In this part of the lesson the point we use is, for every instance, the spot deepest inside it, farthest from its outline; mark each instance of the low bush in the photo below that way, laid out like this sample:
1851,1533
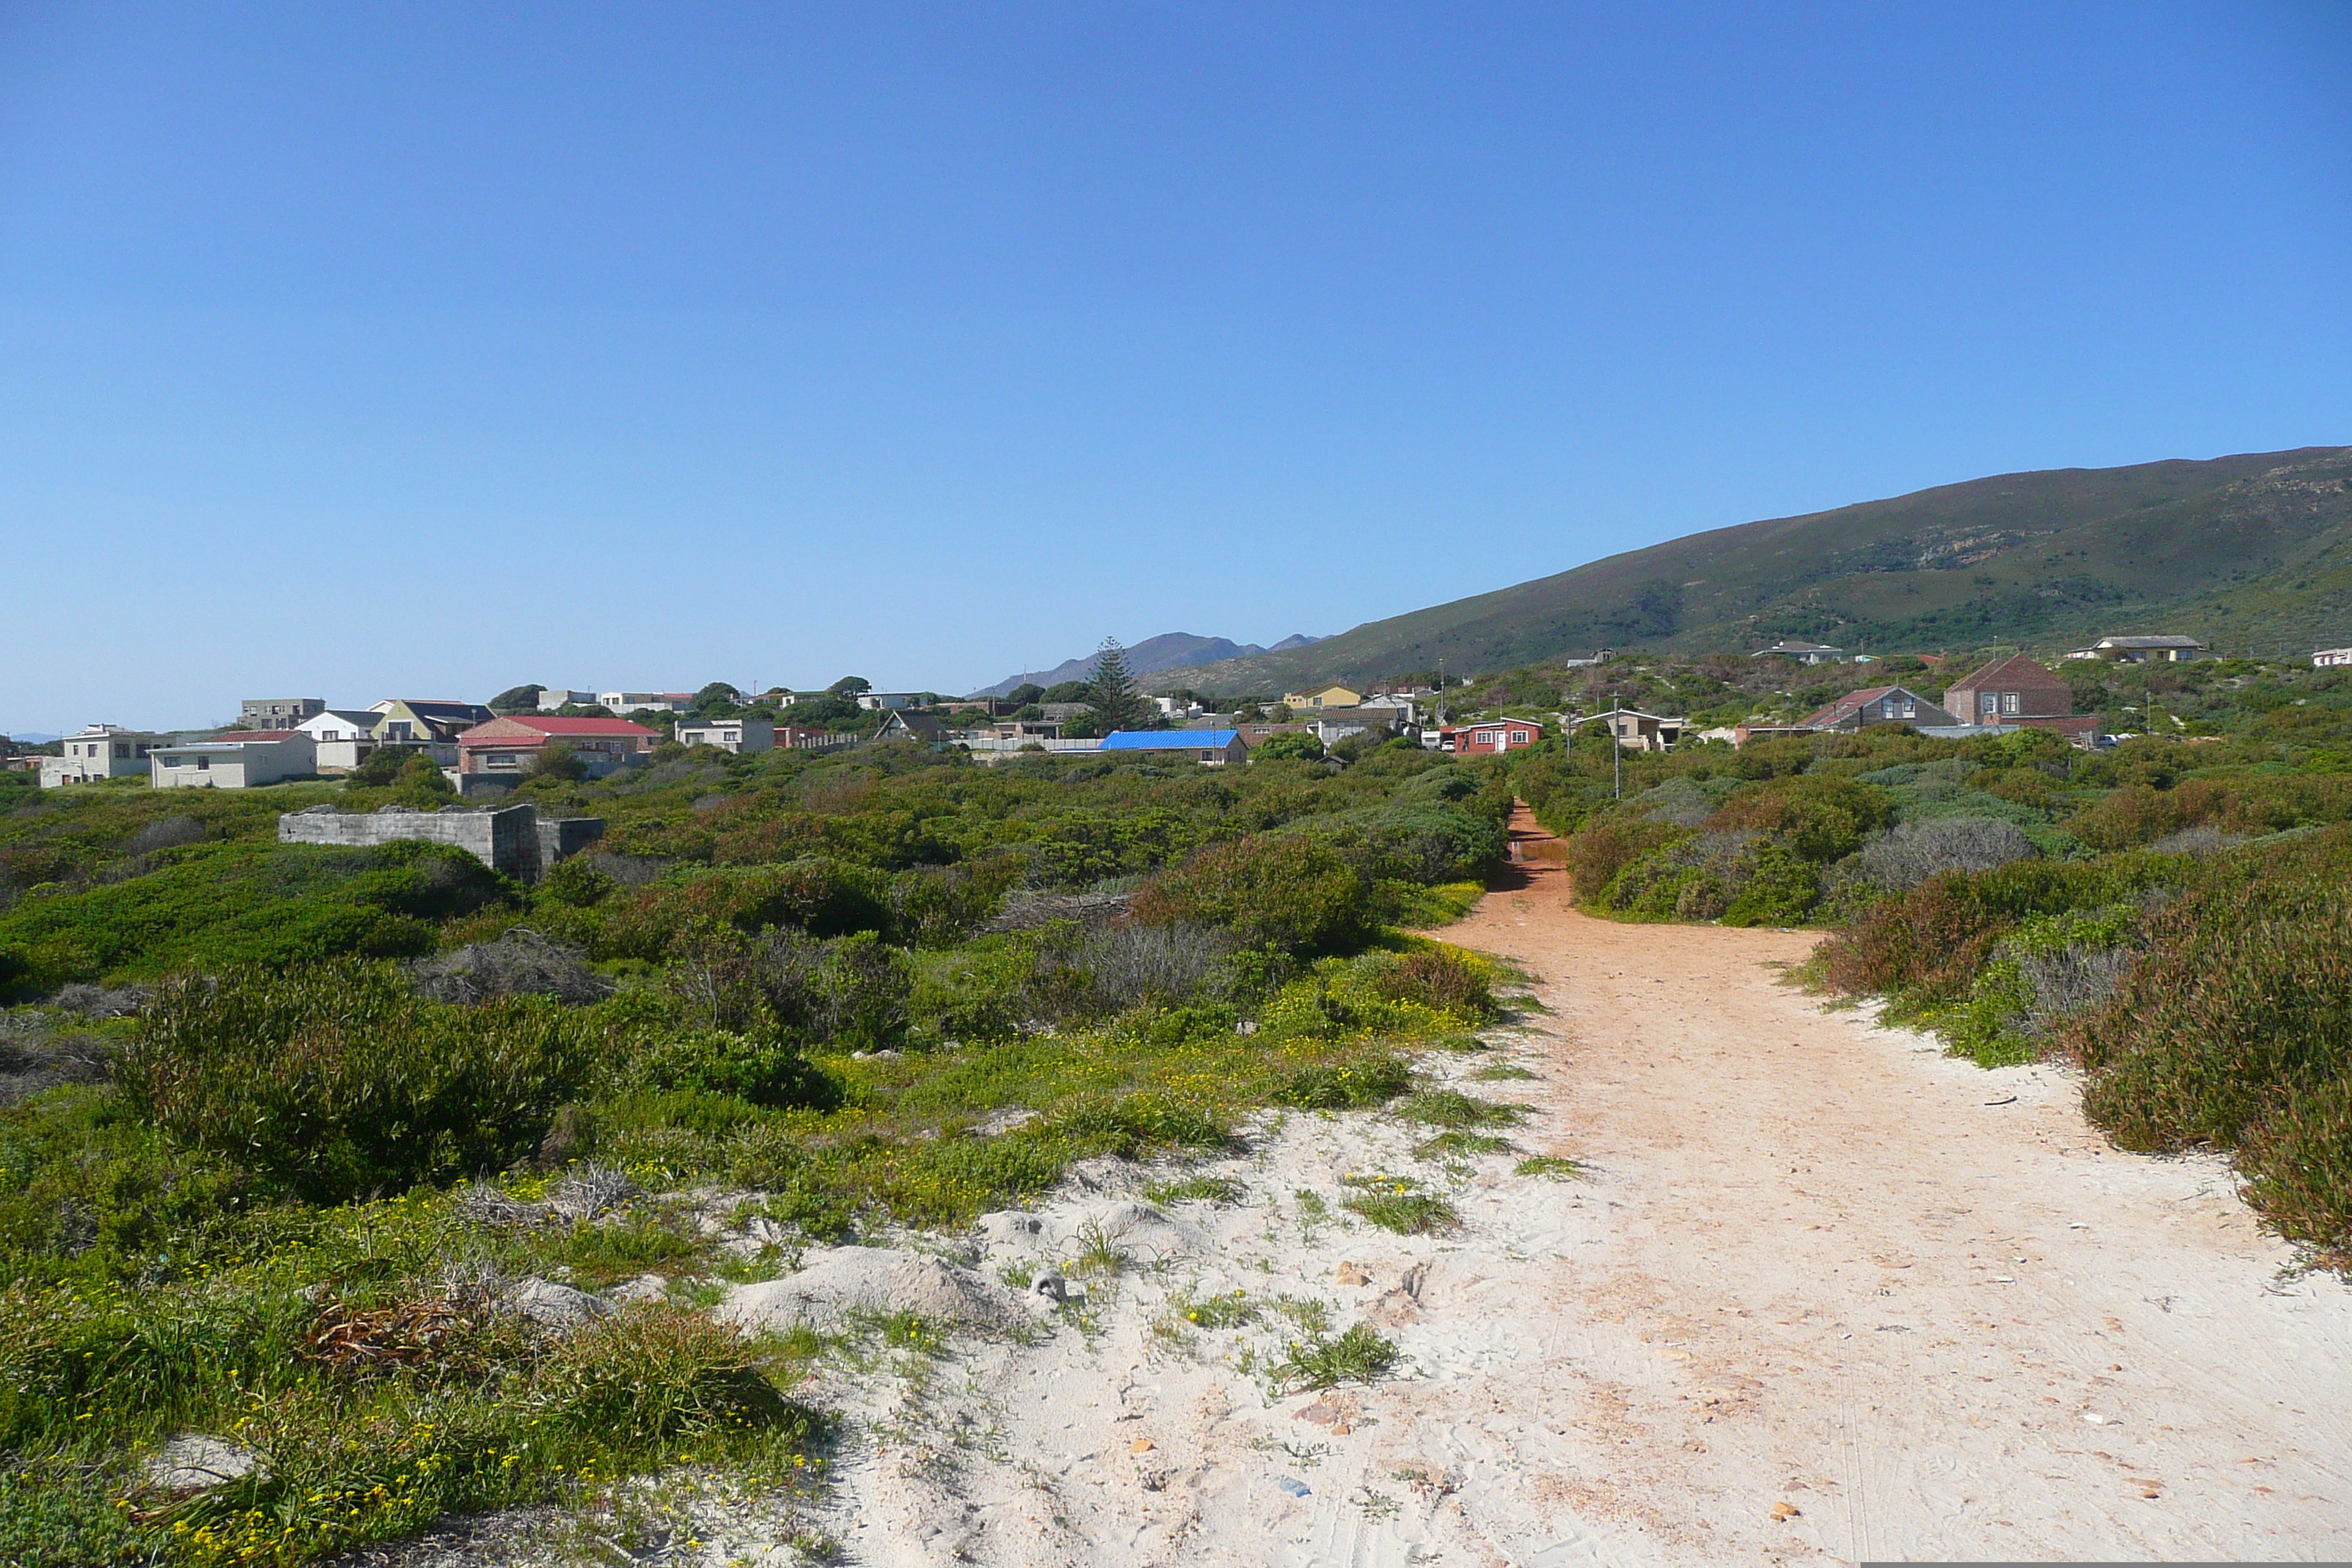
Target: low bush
340,1083
521,962
712,1061
1445,978
1280,891
1344,1088
1900,859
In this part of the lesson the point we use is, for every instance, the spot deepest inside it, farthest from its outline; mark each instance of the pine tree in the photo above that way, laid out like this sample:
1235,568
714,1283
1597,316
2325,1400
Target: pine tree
1111,694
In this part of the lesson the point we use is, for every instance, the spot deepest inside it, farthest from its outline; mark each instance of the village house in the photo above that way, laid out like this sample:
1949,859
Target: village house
432,724
343,738
1877,705
2164,649
746,736
503,751
551,698
618,702
1328,697
278,712
908,724
1489,737
1210,748
2331,657
1636,730
1016,729
893,701
1802,652
2016,692
98,752
1333,725
234,759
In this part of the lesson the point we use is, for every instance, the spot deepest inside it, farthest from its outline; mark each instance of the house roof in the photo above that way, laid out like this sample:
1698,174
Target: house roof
1853,702
2168,639
1169,740
2015,670
1796,648
239,737
520,728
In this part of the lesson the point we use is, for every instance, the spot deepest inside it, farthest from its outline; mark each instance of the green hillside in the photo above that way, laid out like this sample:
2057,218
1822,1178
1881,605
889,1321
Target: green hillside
2247,552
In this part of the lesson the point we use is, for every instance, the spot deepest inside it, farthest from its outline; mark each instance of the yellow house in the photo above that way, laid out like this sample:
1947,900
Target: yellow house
1329,697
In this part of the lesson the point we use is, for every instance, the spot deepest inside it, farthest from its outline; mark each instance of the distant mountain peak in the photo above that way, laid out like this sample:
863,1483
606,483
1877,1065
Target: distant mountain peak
1169,650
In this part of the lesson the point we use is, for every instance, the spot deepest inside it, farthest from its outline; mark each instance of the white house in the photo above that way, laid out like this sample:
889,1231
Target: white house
620,703
893,701
344,736
98,752
237,759
746,736
1802,652
2330,657
552,698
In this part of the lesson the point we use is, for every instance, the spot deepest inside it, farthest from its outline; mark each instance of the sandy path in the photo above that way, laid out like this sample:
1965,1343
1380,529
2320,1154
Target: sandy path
1823,1295
1840,1271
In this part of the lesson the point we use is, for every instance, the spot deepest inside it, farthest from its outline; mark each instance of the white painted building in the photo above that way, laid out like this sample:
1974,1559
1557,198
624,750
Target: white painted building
2330,657
98,752
234,760
619,702
344,737
745,736
552,698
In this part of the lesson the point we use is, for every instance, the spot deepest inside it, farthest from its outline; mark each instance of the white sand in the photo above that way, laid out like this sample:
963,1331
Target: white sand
1819,1299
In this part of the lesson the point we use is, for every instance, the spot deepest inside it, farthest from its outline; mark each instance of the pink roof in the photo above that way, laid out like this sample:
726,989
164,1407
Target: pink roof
501,732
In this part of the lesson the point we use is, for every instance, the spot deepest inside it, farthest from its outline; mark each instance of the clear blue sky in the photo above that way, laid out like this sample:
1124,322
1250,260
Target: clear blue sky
353,351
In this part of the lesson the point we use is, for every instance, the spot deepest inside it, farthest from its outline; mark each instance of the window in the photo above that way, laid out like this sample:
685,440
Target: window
175,762
1519,737
2009,702
1991,704
204,765
121,749
1910,708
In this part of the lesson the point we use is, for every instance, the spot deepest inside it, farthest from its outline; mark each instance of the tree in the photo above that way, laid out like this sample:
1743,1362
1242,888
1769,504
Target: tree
517,699
1026,693
557,761
1111,694
716,692
850,686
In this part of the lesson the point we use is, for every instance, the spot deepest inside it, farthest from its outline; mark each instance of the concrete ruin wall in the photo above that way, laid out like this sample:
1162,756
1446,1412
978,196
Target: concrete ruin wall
510,839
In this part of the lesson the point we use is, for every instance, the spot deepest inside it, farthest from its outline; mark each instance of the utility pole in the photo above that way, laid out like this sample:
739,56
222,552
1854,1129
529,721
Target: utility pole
1617,752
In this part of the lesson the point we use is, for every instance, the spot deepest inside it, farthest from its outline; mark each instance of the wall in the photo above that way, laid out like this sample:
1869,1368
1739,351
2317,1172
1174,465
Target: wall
510,840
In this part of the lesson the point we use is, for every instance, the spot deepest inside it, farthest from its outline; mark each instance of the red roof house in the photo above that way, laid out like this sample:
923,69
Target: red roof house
507,747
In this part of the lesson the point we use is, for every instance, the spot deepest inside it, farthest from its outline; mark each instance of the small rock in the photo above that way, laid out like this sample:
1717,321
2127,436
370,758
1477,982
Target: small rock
1003,1121
191,1462
1784,1511
554,1306
1140,1446
1350,1275
644,1287
1050,1288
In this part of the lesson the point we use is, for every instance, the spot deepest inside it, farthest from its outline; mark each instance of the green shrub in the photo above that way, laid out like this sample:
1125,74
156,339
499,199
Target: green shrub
1359,1355
1344,1088
1442,977
824,898
713,1061
1279,891
213,906
338,1083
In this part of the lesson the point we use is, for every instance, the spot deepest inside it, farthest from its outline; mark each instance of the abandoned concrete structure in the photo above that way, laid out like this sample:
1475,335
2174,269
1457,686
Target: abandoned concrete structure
510,840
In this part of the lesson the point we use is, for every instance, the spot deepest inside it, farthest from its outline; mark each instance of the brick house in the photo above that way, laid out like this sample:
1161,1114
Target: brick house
506,747
2016,692
1489,737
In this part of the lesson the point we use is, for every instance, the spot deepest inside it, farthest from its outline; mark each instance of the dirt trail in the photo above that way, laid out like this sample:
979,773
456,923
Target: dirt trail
1822,1295
1923,1304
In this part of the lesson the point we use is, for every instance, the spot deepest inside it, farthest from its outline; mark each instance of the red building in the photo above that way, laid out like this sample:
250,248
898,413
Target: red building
507,747
1489,737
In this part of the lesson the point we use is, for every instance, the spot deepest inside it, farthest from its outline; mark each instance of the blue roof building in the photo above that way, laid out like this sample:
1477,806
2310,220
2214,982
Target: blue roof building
1210,748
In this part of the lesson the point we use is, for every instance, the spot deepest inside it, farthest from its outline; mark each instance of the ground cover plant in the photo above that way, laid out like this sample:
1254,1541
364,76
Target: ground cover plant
2166,913
301,1149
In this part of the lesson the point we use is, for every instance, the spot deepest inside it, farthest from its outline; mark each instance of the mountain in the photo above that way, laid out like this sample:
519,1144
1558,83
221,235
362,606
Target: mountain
1153,656
2252,552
